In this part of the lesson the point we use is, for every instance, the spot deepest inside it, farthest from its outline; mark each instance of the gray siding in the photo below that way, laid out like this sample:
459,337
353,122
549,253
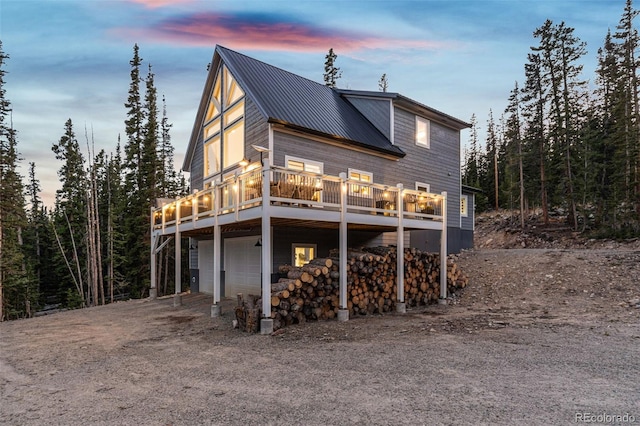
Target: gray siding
336,159
467,222
377,111
256,130
197,164
438,166
429,240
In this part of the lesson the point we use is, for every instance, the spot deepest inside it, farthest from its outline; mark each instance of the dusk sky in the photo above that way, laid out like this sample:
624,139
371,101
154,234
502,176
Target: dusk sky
70,58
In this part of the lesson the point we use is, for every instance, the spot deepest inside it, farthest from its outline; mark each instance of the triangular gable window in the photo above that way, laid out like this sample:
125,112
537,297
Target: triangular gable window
233,92
223,127
214,103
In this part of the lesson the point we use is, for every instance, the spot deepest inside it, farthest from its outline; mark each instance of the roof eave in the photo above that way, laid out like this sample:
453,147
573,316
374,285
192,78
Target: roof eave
439,116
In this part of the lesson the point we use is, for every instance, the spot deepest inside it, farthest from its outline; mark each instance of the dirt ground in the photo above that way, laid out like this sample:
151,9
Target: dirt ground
540,336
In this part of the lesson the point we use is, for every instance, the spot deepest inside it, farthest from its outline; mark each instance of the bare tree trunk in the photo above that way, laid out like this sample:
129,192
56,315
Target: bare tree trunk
1,258
75,254
111,261
66,261
543,188
521,183
495,177
1,274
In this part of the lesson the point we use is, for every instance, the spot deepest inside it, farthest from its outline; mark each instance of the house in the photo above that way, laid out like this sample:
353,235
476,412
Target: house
284,169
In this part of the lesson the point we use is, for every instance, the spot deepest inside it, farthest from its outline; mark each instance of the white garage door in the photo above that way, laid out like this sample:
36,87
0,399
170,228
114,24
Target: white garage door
205,266
242,266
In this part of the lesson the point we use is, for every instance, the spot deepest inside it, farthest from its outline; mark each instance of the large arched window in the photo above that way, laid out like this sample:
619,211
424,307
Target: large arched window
223,128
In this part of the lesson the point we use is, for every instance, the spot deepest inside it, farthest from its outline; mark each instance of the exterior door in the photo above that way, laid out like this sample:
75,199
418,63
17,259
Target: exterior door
205,265
242,266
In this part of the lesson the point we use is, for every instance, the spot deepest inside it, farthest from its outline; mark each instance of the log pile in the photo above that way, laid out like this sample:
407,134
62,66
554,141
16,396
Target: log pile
248,313
311,292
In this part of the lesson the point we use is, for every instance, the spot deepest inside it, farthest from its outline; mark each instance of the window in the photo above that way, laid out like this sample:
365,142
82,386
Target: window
233,147
302,165
302,253
223,128
423,187
423,132
233,92
464,202
360,176
212,156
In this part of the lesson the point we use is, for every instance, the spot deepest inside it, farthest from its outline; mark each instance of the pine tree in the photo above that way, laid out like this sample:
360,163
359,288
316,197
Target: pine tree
513,145
560,50
629,117
331,72
16,289
383,83
134,185
491,182
70,214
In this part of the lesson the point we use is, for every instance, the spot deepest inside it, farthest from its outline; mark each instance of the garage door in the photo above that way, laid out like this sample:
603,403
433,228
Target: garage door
242,266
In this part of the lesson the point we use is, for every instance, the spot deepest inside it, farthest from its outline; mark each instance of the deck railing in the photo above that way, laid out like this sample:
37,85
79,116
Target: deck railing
297,189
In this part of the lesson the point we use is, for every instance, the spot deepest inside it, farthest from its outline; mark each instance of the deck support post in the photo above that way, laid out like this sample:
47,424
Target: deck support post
443,252
343,312
153,290
217,253
400,305
266,323
217,243
177,298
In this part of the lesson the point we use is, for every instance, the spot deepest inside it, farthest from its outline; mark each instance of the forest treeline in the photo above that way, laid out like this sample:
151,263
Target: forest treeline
93,246
565,144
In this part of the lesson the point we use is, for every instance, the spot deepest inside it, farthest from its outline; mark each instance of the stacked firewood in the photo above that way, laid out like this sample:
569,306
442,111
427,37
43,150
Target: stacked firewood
311,292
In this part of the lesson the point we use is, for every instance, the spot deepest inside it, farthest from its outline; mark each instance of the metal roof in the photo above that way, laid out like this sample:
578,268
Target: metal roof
305,105
297,102
412,105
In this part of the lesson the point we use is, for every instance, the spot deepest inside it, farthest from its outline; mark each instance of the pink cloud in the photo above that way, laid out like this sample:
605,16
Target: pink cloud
154,4
268,32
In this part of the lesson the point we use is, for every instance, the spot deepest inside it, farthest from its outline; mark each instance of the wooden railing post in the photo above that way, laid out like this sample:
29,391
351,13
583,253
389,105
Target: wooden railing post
400,306
443,252
343,312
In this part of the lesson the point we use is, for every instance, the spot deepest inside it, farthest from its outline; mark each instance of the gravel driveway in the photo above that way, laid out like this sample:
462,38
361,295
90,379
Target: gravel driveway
538,337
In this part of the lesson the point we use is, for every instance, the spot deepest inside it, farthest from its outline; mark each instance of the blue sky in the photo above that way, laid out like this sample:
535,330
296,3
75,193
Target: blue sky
70,58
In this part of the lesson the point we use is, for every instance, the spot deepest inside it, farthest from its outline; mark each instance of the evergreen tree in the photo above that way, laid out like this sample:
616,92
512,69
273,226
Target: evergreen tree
135,210
559,52
70,215
331,72
491,184
383,83
628,137
513,146
17,290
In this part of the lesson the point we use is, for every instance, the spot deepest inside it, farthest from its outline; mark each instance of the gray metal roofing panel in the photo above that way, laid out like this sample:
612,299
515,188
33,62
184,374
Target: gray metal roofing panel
408,102
290,99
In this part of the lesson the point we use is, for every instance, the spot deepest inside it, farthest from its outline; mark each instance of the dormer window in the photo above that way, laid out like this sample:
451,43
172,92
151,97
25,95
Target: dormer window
423,132
223,128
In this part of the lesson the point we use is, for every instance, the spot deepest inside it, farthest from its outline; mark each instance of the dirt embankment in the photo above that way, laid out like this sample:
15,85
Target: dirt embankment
540,336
